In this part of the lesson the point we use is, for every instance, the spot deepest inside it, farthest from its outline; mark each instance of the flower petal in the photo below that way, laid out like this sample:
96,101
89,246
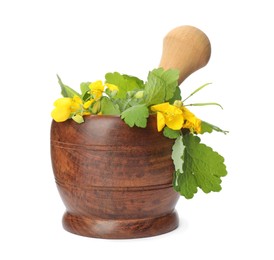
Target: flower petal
160,121
175,122
63,102
161,107
167,109
88,103
96,89
191,121
111,87
60,114
96,85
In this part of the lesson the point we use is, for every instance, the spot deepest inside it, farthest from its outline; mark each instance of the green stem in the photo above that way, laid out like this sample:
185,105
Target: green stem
195,91
205,104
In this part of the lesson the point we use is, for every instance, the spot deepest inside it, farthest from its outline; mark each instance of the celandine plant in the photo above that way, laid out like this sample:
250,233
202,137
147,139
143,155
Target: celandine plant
195,164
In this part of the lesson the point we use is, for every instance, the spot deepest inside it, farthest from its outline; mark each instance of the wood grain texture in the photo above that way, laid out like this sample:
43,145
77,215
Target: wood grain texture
115,181
187,49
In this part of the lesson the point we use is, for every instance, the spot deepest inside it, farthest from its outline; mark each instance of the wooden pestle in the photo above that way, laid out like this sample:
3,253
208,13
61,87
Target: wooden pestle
187,49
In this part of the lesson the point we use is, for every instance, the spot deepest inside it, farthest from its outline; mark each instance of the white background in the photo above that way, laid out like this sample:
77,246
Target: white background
81,41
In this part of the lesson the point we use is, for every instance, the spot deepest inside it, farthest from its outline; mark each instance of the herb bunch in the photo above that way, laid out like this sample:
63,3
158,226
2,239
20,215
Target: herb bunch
195,164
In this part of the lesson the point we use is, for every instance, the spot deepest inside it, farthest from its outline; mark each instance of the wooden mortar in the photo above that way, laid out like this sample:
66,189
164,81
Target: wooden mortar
116,181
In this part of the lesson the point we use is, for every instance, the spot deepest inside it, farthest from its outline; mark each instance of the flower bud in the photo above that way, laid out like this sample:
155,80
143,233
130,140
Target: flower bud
78,119
139,94
178,103
96,107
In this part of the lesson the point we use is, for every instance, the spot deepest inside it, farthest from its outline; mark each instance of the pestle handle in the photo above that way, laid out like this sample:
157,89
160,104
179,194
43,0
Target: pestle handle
187,49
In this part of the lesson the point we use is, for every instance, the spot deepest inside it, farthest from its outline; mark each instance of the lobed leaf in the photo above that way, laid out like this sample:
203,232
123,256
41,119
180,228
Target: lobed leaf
201,167
136,115
176,95
125,83
161,86
205,164
185,184
108,107
155,90
170,133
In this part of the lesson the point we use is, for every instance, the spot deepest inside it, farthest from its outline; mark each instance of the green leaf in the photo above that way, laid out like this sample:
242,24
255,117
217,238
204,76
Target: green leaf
84,86
177,154
136,115
208,128
202,167
66,91
170,78
160,86
155,90
108,107
185,183
125,83
170,133
206,165
138,83
176,96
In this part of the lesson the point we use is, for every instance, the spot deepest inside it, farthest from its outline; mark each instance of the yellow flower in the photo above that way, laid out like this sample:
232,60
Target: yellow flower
169,115
96,89
111,87
191,121
76,104
62,110
64,107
